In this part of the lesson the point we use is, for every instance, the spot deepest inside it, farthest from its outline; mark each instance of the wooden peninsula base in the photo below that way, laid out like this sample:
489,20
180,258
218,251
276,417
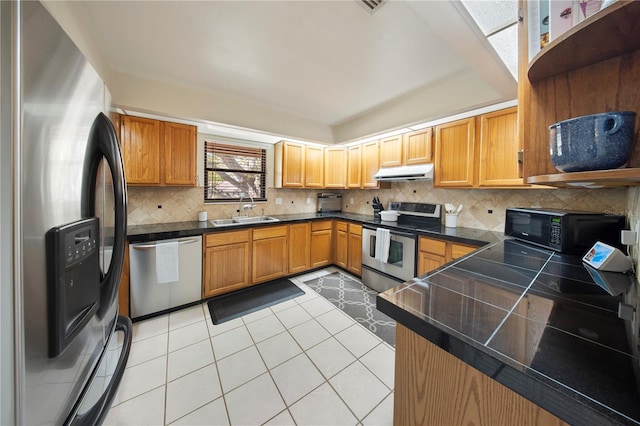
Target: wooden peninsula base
432,387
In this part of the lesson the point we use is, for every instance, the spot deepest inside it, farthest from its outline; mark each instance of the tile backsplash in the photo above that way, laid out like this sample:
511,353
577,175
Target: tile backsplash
171,204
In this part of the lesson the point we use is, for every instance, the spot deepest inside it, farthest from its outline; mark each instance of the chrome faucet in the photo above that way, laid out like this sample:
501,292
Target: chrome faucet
246,207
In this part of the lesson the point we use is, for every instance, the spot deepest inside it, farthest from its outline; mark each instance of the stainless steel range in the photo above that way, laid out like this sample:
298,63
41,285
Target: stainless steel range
389,250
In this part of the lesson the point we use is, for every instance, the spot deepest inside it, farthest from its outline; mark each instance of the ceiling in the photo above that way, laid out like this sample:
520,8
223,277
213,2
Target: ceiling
328,62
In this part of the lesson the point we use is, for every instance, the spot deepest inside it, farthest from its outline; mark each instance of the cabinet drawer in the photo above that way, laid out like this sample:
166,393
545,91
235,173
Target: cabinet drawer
270,232
355,229
224,238
342,226
429,245
459,250
321,225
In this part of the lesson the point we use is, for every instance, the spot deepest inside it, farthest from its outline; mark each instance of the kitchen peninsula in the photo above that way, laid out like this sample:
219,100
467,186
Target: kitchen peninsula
513,334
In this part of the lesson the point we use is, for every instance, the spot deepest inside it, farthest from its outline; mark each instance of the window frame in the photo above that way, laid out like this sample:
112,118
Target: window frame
211,146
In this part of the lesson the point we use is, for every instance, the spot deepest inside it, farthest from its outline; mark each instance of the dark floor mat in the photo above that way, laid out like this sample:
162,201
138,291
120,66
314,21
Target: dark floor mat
233,305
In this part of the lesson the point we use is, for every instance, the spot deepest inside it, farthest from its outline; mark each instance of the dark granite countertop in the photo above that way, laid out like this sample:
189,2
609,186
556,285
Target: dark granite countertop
535,321
163,231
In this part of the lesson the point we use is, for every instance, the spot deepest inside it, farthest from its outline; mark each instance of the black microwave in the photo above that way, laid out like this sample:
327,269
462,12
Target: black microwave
565,231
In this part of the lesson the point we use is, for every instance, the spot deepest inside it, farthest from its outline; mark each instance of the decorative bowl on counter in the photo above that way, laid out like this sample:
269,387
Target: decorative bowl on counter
592,142
389,215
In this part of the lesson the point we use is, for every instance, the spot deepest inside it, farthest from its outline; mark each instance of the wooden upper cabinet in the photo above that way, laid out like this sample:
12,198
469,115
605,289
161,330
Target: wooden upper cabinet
354,166
391,151
140,140
158,152
314,167
289,165
499,146
591,68
370,164
455,154
179,154
418,148
335,167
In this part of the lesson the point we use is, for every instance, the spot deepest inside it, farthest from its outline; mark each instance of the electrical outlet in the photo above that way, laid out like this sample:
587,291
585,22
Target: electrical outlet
308,200
278,201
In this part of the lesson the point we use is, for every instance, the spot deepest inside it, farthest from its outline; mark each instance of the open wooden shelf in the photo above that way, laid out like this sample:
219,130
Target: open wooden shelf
611,32
594,179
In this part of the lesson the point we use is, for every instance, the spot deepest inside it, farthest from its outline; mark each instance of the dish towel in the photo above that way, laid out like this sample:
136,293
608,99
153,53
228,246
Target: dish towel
383,241
167,262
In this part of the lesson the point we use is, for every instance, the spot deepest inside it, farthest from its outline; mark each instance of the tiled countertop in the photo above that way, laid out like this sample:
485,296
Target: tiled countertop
535,321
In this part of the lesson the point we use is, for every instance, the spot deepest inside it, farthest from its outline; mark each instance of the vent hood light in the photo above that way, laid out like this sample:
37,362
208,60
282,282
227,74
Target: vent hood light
402,173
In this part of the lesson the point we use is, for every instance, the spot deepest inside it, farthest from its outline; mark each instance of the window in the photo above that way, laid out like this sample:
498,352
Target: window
233,172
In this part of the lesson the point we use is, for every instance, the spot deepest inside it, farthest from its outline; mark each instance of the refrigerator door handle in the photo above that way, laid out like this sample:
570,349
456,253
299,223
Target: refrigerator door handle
96,414
103,142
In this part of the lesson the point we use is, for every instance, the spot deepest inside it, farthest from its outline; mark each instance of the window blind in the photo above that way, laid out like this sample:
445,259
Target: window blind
233,172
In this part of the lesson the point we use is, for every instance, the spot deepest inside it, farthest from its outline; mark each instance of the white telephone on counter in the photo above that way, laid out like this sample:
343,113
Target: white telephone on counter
607,258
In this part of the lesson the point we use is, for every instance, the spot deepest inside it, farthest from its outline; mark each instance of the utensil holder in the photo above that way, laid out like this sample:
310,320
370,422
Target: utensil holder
451,220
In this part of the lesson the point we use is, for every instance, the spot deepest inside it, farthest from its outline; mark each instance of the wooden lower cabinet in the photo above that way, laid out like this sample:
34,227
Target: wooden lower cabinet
432,387
354,249
433,253
226,262
348,247
321,243
299,247
341,244
270,254
123,291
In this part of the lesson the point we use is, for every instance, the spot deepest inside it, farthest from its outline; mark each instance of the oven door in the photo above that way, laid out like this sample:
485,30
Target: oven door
401,263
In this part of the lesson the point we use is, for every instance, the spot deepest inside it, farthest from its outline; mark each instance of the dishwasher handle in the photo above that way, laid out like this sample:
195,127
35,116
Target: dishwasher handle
154,245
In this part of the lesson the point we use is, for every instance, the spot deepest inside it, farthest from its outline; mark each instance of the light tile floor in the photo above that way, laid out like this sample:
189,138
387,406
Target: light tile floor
301,362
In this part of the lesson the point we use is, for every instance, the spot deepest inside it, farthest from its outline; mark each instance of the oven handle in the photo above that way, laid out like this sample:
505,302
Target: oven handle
393,232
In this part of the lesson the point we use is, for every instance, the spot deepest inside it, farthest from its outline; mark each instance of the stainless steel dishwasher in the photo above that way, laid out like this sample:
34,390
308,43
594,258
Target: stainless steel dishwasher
150,295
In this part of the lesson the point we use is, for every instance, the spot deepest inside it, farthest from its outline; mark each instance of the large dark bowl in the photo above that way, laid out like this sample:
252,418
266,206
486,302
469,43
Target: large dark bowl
592,142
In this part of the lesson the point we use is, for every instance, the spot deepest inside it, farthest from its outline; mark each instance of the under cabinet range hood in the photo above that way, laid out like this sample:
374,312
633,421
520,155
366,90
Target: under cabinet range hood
401,173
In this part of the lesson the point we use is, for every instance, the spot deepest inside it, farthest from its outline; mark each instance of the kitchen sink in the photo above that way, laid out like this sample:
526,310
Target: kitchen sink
243,220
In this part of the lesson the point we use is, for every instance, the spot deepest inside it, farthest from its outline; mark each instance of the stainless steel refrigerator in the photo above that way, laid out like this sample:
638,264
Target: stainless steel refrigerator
69,202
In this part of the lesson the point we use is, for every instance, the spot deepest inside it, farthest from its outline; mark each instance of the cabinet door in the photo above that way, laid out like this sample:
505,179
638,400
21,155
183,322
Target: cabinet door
179,154
141,150
418,147
299,247
427,262
354,249
290,164
340,252
314,167
499,147
321,243
226,268
354,167
454,154
270,254
335,168
370,164
391,151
